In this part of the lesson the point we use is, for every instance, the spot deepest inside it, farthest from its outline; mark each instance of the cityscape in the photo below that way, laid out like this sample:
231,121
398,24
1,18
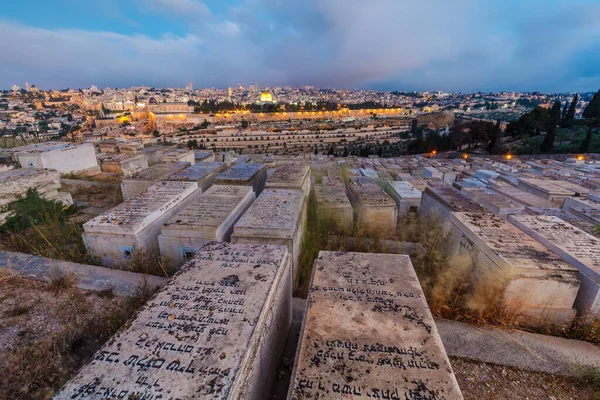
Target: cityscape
266,200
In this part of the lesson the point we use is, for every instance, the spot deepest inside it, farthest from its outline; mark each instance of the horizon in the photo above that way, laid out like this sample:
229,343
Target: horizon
467,47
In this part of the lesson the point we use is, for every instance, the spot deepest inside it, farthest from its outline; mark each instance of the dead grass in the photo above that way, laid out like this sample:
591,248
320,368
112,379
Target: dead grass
60,280
44,359
150,263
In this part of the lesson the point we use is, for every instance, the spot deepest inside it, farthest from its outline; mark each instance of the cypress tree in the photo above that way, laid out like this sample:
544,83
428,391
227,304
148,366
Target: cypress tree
564,111
593,108
585,145
548,142
572,108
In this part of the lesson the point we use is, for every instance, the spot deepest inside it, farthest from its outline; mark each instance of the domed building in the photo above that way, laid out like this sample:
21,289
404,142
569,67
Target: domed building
266,98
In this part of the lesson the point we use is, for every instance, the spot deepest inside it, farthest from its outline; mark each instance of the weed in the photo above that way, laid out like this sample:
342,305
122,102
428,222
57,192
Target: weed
37,369
60,281
17,311
589,376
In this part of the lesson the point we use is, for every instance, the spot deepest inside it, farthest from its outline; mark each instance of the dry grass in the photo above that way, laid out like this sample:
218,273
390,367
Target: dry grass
150,263
37,367
60,281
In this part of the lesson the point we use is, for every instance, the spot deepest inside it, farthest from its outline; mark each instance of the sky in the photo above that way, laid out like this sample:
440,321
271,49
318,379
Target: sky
450,45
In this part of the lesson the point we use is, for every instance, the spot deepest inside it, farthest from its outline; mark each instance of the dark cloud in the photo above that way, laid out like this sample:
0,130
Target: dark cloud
462,45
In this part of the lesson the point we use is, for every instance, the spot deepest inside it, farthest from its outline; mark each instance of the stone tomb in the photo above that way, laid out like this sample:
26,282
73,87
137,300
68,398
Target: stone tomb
536,283
546,189
497,203
523,197
215,331
278,216
443,199
407,197
15,183
210,216
374,210
244,174
587,209
290,176
368,333
333,205
133,226
124,164
573,245
180,155
202,173
144,179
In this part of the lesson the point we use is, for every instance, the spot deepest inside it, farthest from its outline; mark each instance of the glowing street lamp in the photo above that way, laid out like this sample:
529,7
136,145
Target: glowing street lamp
509,156
580,158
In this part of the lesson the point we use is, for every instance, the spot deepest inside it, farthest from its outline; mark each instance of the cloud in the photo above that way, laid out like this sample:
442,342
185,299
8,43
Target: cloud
184,8
463,45
227,28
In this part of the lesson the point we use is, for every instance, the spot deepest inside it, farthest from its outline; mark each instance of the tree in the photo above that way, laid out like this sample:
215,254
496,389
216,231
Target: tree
155,133
585,145
572,109
345,154
548,142
245,124
565,111
593,108
494,136
192,144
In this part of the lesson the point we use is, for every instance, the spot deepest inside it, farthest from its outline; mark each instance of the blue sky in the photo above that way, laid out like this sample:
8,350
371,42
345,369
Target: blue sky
458,45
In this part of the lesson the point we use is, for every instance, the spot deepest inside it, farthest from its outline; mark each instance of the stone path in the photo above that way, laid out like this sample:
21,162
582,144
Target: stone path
89,277
517,349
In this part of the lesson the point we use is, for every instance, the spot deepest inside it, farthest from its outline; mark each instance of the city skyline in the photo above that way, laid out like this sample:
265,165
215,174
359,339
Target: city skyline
384,45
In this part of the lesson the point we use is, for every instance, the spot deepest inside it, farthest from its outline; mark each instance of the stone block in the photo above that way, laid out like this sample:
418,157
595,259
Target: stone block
124,164
114,237
497,203
574,246
139,181
333,206
368,333
537,284
179,155
209,217
406,196
215,331
290,176
442,200
278,216
244,174
545,189
203,173
374,210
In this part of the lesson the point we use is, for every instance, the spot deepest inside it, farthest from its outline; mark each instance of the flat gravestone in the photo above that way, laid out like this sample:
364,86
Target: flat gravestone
407,197
149,176
290,176
523,197
215,331
368,333
442,199
574,246
208,217
245,174
545,188
497,203
202,172
537,284
133,226
374,210
333,206
278,217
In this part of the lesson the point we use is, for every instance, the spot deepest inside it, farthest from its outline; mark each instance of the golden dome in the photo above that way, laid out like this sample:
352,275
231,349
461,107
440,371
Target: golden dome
266,97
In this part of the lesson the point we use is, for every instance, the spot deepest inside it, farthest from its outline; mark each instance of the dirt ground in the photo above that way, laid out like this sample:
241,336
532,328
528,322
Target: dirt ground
481,381
48,331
